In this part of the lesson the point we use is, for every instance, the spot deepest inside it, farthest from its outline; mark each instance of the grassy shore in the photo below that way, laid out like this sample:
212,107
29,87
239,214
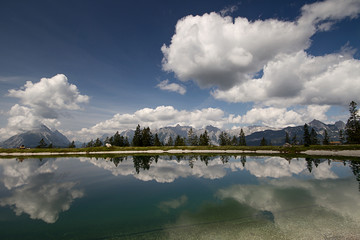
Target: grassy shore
290,150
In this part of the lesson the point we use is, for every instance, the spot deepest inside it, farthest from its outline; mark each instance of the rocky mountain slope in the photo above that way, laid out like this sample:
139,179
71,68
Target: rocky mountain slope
32,138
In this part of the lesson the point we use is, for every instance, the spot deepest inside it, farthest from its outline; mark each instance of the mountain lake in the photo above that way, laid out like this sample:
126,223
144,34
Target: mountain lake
179,197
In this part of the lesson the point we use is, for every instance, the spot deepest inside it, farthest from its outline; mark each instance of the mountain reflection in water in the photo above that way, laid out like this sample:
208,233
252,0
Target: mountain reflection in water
180,196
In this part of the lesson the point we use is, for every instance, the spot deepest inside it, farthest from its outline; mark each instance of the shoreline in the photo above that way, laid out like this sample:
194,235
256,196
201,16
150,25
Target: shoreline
343,153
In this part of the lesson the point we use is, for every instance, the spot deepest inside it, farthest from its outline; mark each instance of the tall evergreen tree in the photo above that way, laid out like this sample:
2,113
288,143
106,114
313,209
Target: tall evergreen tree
313,137
307,140
263,142
192,139
352,127
42,144
204,139
126,142
157,141
72,144
287,138
170,142
341,136
90,144
179,141
97,143
242,140
111,140
137,139
147,138
118,140
224,139
234,141
294,140
326,138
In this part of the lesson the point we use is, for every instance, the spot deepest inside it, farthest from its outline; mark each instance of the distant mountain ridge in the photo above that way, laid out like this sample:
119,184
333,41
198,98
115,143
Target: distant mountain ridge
277,137
32,138
254,134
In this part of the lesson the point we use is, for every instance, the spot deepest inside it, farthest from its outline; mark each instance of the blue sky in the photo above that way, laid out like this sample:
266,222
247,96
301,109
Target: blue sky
109,65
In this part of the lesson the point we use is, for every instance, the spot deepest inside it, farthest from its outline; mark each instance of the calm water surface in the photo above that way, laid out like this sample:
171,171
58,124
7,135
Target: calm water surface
179,197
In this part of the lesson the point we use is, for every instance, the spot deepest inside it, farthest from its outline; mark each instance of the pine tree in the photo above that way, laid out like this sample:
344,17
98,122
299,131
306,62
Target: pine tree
263,142
179,141
341,137
192,139
287,138
352,127
224,139
90,144
326,138
111,140
42,144
170,142
72,144
204,139
147,138
242,140
126,142
294,140
234,141
313,137
137,139
307,140
98,143
118,140
157,141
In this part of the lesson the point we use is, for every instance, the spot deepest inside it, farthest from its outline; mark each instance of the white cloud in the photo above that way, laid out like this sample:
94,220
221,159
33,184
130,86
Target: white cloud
17,175
276,167
43,202
169,116
318,205
215,50
173,203
331,10
50,94
167,171
35,189
171,87
298,78
228,10
43,102
158,117
282,117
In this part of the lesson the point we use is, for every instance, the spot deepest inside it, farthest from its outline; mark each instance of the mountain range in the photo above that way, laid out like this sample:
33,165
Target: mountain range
32,138
254,134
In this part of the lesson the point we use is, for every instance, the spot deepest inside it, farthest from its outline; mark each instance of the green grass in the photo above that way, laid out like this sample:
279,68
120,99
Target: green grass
288,153
293,149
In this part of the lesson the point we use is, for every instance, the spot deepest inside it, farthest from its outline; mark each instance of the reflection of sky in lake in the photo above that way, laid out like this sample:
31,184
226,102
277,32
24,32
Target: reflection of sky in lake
180,197
164,170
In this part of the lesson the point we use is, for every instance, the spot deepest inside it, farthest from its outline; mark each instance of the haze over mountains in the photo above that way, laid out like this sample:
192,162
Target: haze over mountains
254,134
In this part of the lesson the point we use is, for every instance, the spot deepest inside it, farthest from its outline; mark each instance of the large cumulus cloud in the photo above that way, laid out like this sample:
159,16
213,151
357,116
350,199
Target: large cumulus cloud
43,102
215,50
